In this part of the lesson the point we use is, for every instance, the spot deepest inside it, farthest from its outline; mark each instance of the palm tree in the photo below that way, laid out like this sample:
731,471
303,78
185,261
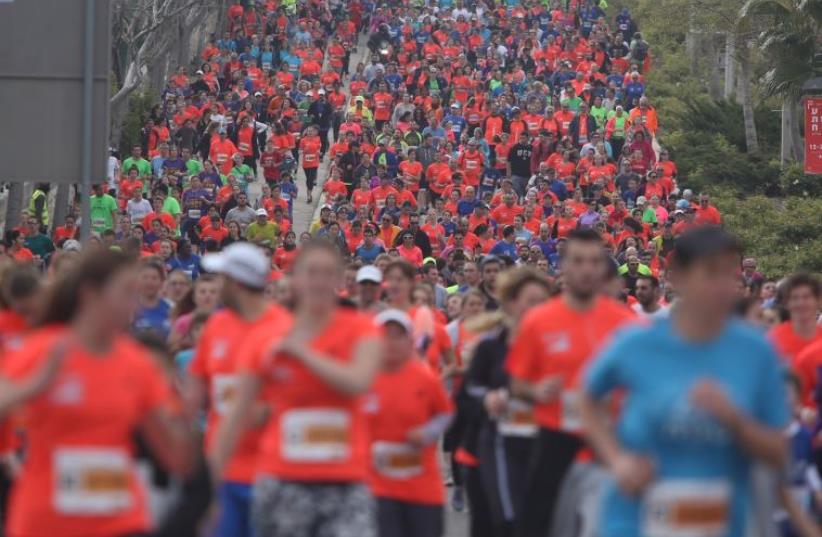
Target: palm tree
790,40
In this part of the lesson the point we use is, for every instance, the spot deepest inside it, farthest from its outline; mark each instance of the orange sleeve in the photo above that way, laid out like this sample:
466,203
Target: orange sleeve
523,356
197,367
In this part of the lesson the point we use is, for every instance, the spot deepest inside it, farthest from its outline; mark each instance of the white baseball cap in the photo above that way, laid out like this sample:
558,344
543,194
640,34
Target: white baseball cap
262,212
242,262
71,245
369,273
394,316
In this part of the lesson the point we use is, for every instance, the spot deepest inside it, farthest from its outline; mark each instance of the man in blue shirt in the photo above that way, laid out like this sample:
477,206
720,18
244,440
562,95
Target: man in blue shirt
507,246
704,399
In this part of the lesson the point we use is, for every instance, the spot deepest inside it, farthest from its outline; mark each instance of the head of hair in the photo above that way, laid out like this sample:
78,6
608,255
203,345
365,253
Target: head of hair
702,242
653,279
405,268
800,279
316,245
511,282
18,282
93,270
585,234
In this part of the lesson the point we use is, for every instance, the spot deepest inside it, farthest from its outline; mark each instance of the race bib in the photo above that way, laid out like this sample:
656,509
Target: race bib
223,392
488,181
266,66
98,222
221,158
687,508
316,435
92,481
471,164
310,157
194,213
569,401
243,146
518,421
396,460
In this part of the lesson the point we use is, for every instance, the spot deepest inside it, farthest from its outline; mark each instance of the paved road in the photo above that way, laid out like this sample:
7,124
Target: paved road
305,213
456,524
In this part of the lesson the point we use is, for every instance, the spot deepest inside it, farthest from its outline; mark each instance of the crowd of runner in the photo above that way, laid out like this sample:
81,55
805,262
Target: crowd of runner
506,296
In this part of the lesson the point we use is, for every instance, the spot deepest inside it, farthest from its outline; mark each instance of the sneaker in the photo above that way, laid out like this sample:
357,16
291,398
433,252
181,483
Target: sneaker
457,501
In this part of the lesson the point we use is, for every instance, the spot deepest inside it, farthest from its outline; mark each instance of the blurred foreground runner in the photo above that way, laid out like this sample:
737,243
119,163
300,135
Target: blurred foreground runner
704,398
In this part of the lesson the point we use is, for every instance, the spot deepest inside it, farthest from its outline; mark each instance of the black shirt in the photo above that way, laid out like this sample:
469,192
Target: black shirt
520,159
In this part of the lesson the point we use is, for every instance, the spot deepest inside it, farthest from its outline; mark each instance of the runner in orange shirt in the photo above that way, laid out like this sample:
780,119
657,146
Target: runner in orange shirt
82,389
310,147
410,412
214,370
553,345
802,297
313,459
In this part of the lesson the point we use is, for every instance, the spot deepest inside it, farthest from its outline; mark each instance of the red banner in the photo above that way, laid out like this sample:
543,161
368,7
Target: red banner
813,135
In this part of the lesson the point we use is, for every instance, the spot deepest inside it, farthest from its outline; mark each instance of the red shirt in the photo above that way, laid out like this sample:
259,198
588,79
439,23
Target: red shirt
405,400
315,433
555,340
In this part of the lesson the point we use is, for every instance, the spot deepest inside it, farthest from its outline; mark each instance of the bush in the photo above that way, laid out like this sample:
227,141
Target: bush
139,108
794,182
782,234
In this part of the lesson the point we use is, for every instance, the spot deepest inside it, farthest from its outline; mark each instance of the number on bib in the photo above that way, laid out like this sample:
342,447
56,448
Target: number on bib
92,481
396,460
316,435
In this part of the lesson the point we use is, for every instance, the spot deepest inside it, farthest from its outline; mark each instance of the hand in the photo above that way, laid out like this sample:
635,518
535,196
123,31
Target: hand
416,438
709,396
632,472
547,390
495,402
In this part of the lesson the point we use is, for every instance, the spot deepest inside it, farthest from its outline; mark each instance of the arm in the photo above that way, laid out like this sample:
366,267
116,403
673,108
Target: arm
758,440
352,378
632,472
238,420
170,440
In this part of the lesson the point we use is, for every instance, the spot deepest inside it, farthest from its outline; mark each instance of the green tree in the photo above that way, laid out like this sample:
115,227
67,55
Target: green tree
789,42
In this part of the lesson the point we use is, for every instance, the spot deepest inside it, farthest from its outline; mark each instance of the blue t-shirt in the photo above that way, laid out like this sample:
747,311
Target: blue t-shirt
692,453
369,254
154,319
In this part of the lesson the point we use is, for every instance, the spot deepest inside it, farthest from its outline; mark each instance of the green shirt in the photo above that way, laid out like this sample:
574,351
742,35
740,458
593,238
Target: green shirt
40,245
599,113
573,104
103,209
242,172
143,166
194,166
172,207
265,234
649,216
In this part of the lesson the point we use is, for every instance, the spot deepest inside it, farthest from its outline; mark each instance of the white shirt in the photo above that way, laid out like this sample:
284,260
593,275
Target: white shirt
137,210
113,172
662,313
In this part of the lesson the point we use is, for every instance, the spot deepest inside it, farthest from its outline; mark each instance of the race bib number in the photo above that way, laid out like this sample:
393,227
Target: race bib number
194,213
222,158
243,146
223,392
98,222
396,460
266,66
456,129
310,157
471,165
316,435
519,420
569,401
92,481
687,508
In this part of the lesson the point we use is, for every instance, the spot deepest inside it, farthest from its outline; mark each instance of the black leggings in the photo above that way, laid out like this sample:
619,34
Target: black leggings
310,178
396,518
482,524
552,456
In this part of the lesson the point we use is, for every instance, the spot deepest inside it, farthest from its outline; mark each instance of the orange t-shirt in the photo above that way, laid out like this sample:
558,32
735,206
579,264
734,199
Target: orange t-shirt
310,146
807,368
216,362
788,343
555,340
79,475
314,433
404,400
